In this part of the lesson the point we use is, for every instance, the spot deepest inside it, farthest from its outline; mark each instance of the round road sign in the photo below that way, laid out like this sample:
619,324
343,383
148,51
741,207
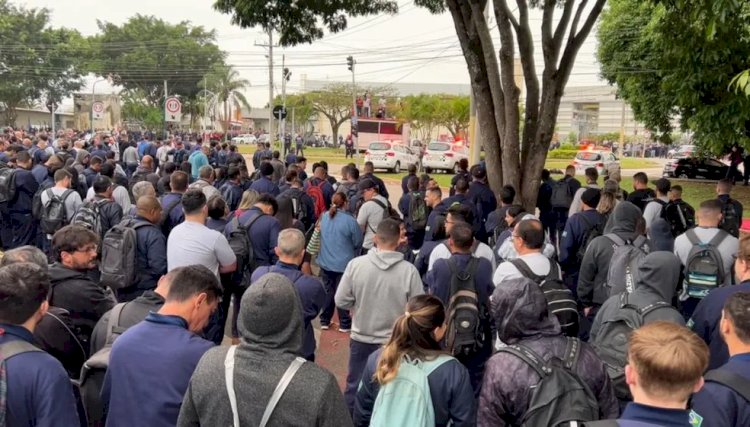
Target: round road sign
174,105
98,107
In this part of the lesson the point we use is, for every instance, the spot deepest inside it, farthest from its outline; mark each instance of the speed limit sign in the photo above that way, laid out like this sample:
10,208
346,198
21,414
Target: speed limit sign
173,110
97,110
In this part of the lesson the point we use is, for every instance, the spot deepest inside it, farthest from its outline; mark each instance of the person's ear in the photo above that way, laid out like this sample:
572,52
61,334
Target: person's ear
200,299
698,385
631,376
277,252
43,308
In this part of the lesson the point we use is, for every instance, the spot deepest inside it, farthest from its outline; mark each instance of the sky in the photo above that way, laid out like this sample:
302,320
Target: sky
412,46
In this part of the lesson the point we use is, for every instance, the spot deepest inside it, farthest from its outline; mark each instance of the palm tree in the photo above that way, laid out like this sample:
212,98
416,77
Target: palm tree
226,84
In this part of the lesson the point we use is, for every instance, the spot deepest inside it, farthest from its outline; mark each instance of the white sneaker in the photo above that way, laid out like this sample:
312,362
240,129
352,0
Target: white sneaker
325,327
344,330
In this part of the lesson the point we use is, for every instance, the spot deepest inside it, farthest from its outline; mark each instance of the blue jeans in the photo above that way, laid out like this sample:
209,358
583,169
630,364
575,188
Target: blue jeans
358,354
331,281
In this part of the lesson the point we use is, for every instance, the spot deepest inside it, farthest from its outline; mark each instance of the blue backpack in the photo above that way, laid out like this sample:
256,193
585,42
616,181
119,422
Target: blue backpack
406,399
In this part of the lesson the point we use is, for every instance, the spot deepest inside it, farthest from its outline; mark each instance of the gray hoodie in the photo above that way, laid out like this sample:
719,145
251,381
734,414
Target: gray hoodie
595,264
377,286
270,325
656,280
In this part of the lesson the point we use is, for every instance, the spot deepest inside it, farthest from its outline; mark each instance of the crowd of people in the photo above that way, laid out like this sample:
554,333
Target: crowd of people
126,260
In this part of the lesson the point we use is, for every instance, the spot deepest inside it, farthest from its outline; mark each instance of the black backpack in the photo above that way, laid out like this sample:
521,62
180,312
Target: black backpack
560,299
738,383
7,183
95,369
53,216
119,250
464,335
298,209
562,194
729,220
561,397
417,211
388,211
593,232
36,201
239,241
680,216
704,269
611,343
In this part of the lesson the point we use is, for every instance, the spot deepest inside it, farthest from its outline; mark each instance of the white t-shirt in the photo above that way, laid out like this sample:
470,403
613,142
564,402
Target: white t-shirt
652,211
191,243
370,215
442,251
119,195
537,262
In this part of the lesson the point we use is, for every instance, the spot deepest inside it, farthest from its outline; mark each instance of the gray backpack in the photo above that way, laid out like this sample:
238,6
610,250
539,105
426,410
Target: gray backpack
624,264
561,398
704,269
119,246
611,343
53,213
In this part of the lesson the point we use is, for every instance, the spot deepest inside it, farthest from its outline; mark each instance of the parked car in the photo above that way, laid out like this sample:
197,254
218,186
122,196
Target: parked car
392,156
443,156
245,139
599,159
697,168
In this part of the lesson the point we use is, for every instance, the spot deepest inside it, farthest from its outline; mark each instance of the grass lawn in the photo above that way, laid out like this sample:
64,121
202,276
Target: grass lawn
331,155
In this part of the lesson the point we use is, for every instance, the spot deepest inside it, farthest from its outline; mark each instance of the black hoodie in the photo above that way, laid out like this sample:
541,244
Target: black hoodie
595,265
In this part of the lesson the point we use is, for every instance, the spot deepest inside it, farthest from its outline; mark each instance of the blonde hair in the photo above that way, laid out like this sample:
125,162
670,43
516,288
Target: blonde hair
412,336
249,197
607,203
669,359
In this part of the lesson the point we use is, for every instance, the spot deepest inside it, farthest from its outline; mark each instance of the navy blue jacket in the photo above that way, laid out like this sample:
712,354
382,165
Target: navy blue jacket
326,189
263,234
705,321
302,175
483,196
307,204
40,391
151,256
90,176
40,173
312,295
465,175
496,218
432,220
405,180
216,224
290,159
637,415
232,194
102,154
381,185
721,406
465,200
572,238
26,186
438,281
423,257
176,216
450,390
265,185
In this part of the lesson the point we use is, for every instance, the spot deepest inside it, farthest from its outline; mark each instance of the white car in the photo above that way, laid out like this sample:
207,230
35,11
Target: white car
245,139
681,152
443,156
602,160
390,155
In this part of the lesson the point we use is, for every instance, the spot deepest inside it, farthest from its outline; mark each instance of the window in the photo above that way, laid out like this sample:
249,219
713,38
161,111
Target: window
438,146
588,156
380,146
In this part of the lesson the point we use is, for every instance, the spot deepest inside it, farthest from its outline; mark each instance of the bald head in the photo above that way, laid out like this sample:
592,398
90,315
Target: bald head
149,207
147,162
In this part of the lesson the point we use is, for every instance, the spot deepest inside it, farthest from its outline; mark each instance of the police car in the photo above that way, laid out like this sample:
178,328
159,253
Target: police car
444,156
602,160
390,155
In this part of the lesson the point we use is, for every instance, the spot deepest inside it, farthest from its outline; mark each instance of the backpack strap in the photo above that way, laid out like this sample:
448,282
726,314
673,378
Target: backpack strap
14,347
639,241
572,351
429,366
251,222
280,388
529,357
737,383
718,238
525,271
229,379
617,240
113,327
70,332
170,208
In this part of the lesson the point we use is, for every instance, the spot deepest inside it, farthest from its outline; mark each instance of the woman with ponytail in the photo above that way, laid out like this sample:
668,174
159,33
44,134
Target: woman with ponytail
340,241
416,340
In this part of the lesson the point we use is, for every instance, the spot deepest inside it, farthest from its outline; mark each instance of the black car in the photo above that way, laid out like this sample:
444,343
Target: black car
697,168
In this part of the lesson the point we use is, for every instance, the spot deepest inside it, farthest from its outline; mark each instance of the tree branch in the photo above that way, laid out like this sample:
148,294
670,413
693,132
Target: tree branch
561,27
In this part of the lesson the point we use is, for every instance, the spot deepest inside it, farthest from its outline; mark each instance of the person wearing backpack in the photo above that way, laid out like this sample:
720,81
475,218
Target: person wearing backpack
412,381
580,230
655,288
483,197
22,224
707,255
102,213
641,194
58,204
623,230
376,287
563,191
303,206
496,223
264,184
232,191
119,193
459,214
369,173
731,209
656,208
724,399
678,213
205,182
319,180
151,363
372,212
173,213
461,197
665,367
312,294
272,329
262,229
592,178
36,388
512,388
472,345
415,212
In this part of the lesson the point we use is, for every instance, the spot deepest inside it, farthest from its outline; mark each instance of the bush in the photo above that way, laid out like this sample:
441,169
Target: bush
561,154
567,146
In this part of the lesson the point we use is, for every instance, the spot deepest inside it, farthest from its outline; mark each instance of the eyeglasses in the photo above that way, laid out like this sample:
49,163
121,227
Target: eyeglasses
87,249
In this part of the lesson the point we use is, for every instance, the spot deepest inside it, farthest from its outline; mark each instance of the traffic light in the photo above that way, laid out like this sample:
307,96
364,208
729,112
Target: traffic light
350,62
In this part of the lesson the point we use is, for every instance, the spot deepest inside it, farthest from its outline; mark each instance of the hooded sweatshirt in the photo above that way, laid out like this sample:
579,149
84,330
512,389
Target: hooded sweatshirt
595,265
81,154
656,280
377,286
270,324
522,317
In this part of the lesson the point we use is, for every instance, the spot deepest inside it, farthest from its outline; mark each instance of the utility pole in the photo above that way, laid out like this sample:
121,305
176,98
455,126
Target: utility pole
285,76
354,131
166,94
270,83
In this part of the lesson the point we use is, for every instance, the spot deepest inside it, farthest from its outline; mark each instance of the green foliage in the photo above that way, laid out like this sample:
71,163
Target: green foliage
677,58
226,84
741,82
300,21
37,63
561,154
136,109
572,138
145,51
303,113
426,112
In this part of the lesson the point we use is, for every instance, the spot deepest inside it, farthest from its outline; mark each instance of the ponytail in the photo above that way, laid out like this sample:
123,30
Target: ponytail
412,336
337,202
